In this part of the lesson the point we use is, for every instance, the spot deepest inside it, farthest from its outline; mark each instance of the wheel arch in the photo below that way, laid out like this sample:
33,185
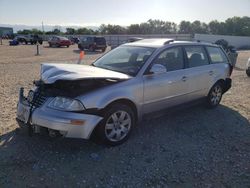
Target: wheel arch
221,82
124,101
127,102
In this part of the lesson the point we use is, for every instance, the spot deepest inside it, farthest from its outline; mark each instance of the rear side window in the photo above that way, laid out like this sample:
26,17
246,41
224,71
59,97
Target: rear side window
216,55
196,56
171,58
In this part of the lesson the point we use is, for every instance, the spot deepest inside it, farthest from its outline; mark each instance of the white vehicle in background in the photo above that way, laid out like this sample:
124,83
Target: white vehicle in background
248,68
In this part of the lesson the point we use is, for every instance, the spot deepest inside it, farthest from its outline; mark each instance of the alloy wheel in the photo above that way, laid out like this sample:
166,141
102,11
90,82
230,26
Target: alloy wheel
216,95
118,126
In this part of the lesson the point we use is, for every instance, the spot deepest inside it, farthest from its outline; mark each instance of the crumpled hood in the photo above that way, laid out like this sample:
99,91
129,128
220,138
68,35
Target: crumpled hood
53,72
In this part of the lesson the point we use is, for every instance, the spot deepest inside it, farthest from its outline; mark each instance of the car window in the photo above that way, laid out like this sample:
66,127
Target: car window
216,55
196,56
100,40
172,59
62,38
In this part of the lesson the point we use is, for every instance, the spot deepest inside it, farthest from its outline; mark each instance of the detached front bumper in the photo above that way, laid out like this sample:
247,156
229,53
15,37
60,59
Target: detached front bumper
69,124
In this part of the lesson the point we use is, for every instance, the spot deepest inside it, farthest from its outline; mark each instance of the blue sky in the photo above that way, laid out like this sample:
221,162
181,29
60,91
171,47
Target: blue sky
122,12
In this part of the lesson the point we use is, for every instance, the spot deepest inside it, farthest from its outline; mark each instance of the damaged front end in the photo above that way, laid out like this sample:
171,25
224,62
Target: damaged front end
40,108
54,102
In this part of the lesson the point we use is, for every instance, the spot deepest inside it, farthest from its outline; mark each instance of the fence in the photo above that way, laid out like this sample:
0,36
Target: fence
238,42
119,39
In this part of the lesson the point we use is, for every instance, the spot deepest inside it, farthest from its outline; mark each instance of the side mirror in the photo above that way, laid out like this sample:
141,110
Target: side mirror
157,69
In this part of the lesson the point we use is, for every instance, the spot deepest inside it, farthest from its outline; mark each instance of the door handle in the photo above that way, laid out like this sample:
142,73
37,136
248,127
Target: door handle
184,78
211,72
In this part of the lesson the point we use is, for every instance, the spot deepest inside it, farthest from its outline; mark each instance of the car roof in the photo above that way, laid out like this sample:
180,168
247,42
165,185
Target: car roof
160,42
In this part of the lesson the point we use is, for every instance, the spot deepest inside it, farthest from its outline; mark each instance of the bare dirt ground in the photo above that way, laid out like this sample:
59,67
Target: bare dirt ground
191,147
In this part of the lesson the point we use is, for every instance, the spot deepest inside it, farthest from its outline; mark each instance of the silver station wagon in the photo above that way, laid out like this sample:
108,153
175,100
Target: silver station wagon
109,97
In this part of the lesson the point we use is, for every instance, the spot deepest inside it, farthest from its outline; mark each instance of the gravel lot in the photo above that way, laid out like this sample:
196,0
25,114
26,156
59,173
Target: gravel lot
190,147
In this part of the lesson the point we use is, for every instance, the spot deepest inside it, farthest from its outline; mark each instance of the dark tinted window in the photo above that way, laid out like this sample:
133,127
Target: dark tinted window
216,55
100,40
171,58
196,56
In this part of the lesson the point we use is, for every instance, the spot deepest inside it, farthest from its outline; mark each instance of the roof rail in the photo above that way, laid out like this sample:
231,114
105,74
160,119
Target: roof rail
168,41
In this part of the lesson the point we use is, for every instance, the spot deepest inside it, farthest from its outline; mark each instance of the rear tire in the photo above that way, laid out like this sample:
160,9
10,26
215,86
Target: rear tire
215,95
91,48
248,72
116,126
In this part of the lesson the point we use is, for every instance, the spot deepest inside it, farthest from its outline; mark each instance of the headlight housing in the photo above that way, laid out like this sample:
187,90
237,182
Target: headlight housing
66,104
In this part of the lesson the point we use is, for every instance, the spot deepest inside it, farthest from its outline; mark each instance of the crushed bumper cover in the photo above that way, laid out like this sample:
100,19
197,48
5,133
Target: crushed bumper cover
62,122
56,120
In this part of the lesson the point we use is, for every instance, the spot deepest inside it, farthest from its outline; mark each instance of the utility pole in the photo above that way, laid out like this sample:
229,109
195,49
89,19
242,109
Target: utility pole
43,29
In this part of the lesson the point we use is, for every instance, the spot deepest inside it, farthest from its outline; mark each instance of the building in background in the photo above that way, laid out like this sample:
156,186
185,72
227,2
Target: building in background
6,31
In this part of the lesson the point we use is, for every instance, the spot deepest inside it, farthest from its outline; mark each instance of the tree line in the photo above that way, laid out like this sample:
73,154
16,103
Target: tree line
239,26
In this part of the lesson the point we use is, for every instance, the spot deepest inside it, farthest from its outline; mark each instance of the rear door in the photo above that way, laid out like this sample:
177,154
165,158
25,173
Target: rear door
199,71
169,88
222,68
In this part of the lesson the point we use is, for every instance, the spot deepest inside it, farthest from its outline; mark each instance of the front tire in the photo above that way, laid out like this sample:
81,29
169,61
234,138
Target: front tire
116,126
215,95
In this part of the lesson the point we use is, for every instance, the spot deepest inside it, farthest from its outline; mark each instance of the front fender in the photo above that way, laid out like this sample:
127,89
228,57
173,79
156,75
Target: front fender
101,98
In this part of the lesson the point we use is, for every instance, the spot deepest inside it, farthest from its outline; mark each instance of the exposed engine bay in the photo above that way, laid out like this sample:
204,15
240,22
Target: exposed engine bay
73,88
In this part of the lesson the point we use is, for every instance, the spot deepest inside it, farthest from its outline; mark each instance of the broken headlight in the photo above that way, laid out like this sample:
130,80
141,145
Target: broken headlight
66,104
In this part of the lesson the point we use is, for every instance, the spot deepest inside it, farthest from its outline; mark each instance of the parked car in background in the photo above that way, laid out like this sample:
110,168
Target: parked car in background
132,39
107,98
32,39
20,39
58,41
229,49
93,44
248,68
14,42
74,40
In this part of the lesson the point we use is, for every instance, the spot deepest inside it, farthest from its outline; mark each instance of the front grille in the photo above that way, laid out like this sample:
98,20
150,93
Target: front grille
38,100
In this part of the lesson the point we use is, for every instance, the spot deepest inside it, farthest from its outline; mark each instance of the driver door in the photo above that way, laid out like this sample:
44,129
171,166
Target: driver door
169,88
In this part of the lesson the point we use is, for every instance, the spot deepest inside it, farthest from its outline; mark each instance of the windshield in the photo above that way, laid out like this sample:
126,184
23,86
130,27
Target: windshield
125,59
63,38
